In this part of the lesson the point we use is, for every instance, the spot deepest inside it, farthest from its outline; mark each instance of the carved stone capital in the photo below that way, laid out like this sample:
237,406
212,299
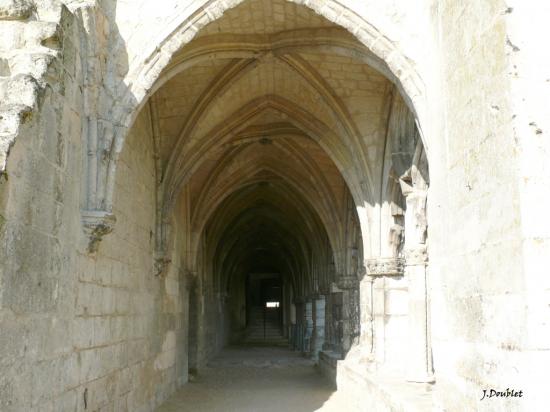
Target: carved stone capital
347,282
389,266
97,223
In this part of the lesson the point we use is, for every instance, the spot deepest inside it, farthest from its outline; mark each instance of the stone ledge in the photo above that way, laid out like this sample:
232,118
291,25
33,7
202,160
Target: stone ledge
383,391
330,357
327,364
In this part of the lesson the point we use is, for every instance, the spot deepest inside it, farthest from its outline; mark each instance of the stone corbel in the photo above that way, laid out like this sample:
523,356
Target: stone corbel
161,263
97,223
389,266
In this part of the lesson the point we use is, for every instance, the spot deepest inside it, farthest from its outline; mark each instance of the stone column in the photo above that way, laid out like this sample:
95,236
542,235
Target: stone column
308,333
292,321
419,365
298,333
349,285
366,311
378,269
319,326
329,332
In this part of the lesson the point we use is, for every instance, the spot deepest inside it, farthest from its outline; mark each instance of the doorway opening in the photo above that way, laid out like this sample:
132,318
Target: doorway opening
264,294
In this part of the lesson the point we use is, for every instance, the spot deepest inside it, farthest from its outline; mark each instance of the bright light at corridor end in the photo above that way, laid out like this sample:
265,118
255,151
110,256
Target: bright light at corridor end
271,304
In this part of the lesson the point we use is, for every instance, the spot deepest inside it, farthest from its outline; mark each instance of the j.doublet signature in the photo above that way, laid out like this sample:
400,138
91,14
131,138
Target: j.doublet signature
509,393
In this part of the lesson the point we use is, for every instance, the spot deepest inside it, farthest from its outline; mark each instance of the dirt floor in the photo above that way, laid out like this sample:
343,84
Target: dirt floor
260,379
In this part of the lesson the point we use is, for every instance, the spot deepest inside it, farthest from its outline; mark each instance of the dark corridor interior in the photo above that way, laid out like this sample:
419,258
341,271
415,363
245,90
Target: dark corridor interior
264,308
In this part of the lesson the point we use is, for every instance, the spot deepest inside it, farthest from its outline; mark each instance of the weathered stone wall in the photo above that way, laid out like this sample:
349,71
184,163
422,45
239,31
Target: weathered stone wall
478,267
214,318
29,41
82,331
130,325
40,234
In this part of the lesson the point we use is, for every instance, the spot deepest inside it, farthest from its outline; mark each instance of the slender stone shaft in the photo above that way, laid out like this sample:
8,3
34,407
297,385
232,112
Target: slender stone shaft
419,360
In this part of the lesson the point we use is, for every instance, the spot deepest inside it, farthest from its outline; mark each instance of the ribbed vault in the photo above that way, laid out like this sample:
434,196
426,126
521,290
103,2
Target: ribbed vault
269,139
299,98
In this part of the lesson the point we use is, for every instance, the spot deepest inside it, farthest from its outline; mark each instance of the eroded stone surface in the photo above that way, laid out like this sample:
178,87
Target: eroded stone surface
15,9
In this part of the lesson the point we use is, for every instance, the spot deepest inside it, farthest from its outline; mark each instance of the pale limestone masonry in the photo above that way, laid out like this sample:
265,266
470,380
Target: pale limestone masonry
387,161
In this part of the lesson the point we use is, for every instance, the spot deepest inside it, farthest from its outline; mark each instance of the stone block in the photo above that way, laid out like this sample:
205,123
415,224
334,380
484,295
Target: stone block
27,292
101,361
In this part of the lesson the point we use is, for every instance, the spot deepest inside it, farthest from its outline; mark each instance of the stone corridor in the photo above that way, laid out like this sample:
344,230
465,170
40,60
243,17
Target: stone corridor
255,378
359,185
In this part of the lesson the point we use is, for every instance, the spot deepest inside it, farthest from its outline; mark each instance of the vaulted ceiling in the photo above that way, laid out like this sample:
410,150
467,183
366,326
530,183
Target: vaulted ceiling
272,119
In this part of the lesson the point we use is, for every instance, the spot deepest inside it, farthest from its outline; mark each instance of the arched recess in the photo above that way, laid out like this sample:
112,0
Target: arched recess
264,224
146,71
336,133
289,187
307,186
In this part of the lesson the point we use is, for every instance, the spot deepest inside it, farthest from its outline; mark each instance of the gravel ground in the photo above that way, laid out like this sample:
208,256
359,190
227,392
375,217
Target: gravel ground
257,379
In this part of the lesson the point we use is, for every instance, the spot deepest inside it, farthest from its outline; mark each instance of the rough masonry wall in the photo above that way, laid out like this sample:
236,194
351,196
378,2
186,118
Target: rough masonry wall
129,322
29,42
215,322
39,234
81,332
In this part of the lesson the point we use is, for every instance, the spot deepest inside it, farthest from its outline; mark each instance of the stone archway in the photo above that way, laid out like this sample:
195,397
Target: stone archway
302,138
233,112
94,94
145,75
329,123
